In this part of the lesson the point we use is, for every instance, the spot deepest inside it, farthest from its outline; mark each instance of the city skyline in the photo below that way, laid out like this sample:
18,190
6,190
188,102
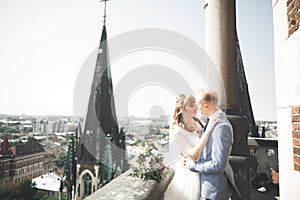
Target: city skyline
44,45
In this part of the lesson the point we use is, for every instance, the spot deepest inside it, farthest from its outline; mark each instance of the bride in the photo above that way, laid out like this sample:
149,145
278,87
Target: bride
184,134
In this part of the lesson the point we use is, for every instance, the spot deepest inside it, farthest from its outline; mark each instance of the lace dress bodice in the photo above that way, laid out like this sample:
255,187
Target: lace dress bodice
185,184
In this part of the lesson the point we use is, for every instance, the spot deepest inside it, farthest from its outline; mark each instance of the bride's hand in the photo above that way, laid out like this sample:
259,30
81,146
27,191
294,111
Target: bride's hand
184,155
186,162
189,154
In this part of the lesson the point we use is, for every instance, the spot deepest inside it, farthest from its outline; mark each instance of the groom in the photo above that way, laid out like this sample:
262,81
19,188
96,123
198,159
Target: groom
216,175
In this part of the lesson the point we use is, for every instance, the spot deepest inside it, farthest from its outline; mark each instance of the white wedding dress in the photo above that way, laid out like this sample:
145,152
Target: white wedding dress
185,184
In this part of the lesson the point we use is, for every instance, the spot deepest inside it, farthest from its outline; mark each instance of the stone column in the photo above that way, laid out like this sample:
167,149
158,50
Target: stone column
220,30
221,47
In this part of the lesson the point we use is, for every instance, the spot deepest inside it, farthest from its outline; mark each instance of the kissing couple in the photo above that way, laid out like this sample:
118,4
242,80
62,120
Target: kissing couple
202,148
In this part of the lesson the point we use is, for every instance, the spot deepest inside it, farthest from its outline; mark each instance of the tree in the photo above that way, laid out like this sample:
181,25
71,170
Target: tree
31,139
15,137
47,195
63,143
5,134
23,190
3,194
52,197
7,130
28,129
17,142
62,159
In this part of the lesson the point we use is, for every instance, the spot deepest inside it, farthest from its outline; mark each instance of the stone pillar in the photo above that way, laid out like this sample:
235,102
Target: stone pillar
220,38
220,20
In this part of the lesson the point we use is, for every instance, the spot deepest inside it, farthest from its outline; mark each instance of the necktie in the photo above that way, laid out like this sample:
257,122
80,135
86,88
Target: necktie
206,125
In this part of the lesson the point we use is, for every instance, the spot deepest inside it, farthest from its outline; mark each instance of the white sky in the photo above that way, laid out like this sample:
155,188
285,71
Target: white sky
44,44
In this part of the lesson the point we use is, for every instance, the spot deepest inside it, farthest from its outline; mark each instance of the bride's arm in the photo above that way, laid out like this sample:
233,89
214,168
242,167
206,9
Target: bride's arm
197,149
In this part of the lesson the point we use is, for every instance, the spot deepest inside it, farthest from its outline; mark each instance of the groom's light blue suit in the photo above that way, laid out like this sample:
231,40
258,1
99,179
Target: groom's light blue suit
216,175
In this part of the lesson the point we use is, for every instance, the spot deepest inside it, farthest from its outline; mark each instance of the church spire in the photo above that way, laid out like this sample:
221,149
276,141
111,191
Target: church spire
104,16
98,160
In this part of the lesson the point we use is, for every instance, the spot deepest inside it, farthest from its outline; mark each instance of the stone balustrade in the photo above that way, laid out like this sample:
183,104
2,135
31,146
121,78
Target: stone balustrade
126,187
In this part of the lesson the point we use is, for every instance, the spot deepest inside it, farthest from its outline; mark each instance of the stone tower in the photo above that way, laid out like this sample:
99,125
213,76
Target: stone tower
100,127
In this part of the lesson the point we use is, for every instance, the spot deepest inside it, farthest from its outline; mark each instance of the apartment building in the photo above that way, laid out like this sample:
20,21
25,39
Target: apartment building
24,161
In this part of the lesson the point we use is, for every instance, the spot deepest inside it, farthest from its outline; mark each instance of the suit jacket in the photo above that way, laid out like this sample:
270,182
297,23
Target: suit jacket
216,175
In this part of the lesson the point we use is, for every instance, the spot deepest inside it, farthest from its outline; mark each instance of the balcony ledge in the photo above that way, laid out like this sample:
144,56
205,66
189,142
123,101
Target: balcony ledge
128,187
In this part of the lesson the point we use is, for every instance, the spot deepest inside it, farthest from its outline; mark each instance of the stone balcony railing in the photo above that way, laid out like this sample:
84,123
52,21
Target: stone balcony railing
126,187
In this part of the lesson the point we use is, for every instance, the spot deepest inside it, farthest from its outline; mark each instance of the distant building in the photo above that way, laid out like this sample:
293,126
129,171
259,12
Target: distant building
49,181
23,161
51,126
71,127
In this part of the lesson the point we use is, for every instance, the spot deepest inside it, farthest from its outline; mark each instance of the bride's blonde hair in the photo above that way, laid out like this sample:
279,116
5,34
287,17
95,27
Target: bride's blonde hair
181,101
